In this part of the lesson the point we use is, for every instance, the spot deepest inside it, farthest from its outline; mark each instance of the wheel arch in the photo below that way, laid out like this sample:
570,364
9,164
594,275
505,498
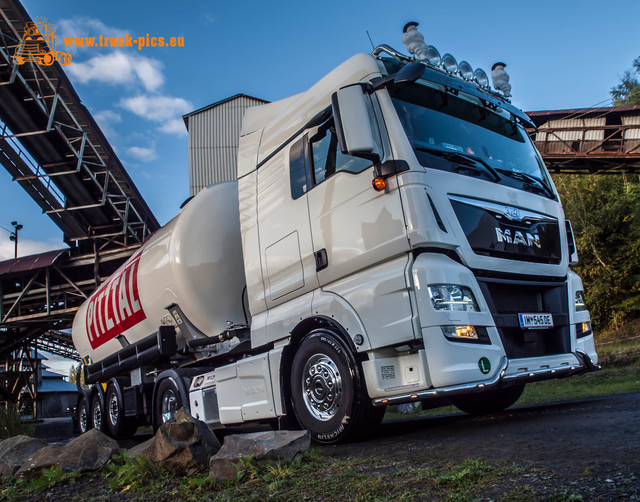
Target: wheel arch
179,381
298,333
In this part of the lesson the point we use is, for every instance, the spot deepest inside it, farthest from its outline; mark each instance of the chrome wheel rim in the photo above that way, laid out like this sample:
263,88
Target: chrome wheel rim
83,418
113,409
169,403
321,387
97,416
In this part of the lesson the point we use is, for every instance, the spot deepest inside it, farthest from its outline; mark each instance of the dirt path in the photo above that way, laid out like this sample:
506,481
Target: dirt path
593,443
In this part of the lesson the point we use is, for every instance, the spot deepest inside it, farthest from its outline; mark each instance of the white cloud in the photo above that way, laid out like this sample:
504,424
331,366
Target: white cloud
166,110
119,68
27,247
174,126
156,108
108,116
142,154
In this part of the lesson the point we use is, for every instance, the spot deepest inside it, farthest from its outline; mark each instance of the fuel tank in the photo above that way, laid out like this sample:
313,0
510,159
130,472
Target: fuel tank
195,260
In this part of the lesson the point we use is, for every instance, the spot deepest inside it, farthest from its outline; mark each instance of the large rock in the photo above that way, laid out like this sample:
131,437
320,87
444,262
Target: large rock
14,451
271,447
90,451
183,444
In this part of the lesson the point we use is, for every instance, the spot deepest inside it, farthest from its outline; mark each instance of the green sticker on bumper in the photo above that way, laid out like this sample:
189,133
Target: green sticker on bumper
485,365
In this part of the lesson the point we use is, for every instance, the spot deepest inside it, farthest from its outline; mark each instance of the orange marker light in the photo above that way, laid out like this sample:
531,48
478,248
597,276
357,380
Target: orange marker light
379,184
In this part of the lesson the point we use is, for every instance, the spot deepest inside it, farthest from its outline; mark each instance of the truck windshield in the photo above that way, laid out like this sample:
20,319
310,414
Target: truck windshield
461,135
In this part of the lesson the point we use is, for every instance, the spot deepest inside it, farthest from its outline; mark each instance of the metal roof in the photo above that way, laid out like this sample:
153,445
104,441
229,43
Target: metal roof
537,116
31,262
217,103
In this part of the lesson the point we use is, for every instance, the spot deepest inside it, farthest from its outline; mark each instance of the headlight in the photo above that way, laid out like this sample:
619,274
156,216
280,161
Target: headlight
433,56
465,70
449,63
481,78
580,305
449,297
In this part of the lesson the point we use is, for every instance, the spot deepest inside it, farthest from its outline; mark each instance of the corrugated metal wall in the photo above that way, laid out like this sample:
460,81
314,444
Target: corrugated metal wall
213,142
631,120
594,135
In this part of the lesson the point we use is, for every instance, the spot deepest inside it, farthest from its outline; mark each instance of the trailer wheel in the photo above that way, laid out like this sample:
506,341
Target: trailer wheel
84,423
488,401
119,425
328,395
168,401
97,414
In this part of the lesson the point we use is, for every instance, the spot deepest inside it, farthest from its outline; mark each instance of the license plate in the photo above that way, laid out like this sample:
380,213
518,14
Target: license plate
536,321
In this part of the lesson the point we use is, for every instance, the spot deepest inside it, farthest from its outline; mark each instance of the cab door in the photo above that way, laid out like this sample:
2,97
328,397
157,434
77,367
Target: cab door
286,250
352,225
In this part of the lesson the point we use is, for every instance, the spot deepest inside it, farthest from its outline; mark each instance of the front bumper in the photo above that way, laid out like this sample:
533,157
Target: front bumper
583,364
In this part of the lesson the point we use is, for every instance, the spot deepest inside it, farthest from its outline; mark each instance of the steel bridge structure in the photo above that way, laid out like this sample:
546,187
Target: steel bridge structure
53,148
589,140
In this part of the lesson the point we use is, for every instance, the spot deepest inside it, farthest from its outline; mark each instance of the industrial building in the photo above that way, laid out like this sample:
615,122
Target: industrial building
213,140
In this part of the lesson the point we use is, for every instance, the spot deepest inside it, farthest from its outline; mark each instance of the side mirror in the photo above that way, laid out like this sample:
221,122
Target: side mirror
353,123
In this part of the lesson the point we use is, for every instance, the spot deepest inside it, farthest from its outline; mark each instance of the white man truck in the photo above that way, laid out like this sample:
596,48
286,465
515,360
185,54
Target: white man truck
306,294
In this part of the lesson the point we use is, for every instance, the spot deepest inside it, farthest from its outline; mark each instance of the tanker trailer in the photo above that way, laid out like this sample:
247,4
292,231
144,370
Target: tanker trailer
153,319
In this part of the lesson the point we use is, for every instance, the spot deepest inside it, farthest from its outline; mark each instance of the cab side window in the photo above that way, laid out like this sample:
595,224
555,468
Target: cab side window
327,159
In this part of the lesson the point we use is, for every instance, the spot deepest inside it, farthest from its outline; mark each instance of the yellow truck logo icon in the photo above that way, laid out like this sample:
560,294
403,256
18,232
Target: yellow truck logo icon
38,45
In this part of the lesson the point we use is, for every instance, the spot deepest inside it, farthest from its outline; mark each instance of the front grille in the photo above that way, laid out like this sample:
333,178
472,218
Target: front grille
507,232
507,298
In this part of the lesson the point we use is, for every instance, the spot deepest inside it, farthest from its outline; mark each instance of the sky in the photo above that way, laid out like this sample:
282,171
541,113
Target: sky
559,55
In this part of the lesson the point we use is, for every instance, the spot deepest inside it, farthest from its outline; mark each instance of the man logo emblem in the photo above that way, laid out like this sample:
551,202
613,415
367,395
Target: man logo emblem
512,213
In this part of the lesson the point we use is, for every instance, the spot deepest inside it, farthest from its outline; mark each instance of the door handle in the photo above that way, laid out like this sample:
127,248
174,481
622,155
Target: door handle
322,261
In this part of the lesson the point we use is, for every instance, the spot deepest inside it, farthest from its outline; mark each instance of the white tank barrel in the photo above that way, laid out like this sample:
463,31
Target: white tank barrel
194,261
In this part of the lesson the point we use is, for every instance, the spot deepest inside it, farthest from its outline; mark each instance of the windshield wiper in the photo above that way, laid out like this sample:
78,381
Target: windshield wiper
527,178
462,158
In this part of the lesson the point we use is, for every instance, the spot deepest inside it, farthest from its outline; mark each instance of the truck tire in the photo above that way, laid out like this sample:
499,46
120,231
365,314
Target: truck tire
97,414
488,401
119,426
168,401
84,415
328,395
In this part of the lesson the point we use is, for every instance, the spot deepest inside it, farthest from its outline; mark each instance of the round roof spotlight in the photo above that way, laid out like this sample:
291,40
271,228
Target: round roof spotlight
465,70
481,78
449,63
433,56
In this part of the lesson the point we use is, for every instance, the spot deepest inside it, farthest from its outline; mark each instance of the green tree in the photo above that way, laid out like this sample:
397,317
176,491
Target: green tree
627,92
72,374
605,214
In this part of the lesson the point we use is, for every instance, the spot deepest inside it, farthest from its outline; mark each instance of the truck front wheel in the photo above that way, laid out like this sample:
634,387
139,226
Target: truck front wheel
488,401
328,395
